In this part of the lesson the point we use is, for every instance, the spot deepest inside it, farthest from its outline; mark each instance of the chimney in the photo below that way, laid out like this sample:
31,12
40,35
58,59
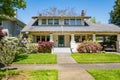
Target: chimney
83,13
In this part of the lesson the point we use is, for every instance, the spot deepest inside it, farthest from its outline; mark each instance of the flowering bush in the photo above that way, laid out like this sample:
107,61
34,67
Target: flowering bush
45,47
1,33
8,46
32,48
89,47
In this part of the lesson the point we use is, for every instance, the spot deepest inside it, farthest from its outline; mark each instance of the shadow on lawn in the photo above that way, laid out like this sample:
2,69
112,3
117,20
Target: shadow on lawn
20,57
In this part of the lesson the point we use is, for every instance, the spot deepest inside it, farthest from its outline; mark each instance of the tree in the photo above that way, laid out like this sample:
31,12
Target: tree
8,7
115,14
93,20
59,12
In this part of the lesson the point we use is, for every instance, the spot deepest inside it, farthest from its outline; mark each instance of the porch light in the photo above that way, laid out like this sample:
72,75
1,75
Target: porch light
27,32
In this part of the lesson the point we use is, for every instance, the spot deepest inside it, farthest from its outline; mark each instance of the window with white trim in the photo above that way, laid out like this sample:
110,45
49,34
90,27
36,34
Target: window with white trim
56,21
44,22
50,21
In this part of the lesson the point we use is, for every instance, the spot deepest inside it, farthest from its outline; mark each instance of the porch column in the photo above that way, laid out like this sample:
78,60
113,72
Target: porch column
94,37
73,44
51,37
72,38
118,43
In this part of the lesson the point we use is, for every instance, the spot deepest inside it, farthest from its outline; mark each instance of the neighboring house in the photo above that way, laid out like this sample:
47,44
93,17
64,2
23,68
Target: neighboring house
68,31
14,26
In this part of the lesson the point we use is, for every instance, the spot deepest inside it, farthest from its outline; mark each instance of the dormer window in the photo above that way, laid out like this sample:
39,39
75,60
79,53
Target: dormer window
66,22
72,21
78,22
50,21
56,22
44,22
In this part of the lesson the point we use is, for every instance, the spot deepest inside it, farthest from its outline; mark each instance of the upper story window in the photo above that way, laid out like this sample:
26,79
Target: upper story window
66,22
56,22
72,22
50,21
44,22
78,22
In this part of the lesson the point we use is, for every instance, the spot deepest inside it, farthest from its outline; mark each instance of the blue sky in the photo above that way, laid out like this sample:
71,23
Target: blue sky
94,8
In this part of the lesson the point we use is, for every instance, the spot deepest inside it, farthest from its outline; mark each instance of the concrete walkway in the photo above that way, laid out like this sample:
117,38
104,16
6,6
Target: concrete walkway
65,59
69,73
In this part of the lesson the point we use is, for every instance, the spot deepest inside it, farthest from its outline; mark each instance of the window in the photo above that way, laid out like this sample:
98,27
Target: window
72,22
50,21
66,22
43,21
38,38
100,38
56,22
90,37
77,39
82,23
43,38
78,22
0,23
48,38
83,38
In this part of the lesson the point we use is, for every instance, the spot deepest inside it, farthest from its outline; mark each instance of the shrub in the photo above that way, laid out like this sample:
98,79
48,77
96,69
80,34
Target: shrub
30,48
21,50
8,46
45,47
89,47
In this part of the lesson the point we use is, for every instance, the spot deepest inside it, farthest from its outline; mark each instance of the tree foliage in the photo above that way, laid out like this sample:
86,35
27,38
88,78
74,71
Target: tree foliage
93,20
115,14
8,7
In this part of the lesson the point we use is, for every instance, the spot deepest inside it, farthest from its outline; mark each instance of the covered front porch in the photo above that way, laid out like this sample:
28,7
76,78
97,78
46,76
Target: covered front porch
109,41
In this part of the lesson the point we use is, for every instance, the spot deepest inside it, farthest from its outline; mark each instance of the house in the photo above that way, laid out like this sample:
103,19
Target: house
13,26
68,31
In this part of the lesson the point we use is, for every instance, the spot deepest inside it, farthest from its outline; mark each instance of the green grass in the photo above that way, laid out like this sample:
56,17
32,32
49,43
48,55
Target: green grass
105,74
35,59
43,75
96,58
35,74
10,72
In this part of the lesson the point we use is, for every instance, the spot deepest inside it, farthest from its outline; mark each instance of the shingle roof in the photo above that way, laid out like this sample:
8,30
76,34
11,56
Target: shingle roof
91,28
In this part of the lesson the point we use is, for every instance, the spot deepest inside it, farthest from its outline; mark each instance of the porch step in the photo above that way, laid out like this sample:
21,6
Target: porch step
63,50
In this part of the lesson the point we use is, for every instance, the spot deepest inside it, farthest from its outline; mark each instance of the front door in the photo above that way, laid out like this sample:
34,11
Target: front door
61,41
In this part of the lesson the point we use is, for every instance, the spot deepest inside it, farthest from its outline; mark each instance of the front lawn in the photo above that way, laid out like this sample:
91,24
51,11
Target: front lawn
30,75
96,58
105,74
35,59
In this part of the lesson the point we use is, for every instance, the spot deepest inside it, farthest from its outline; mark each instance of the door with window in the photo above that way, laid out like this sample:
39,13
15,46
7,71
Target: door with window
61,41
